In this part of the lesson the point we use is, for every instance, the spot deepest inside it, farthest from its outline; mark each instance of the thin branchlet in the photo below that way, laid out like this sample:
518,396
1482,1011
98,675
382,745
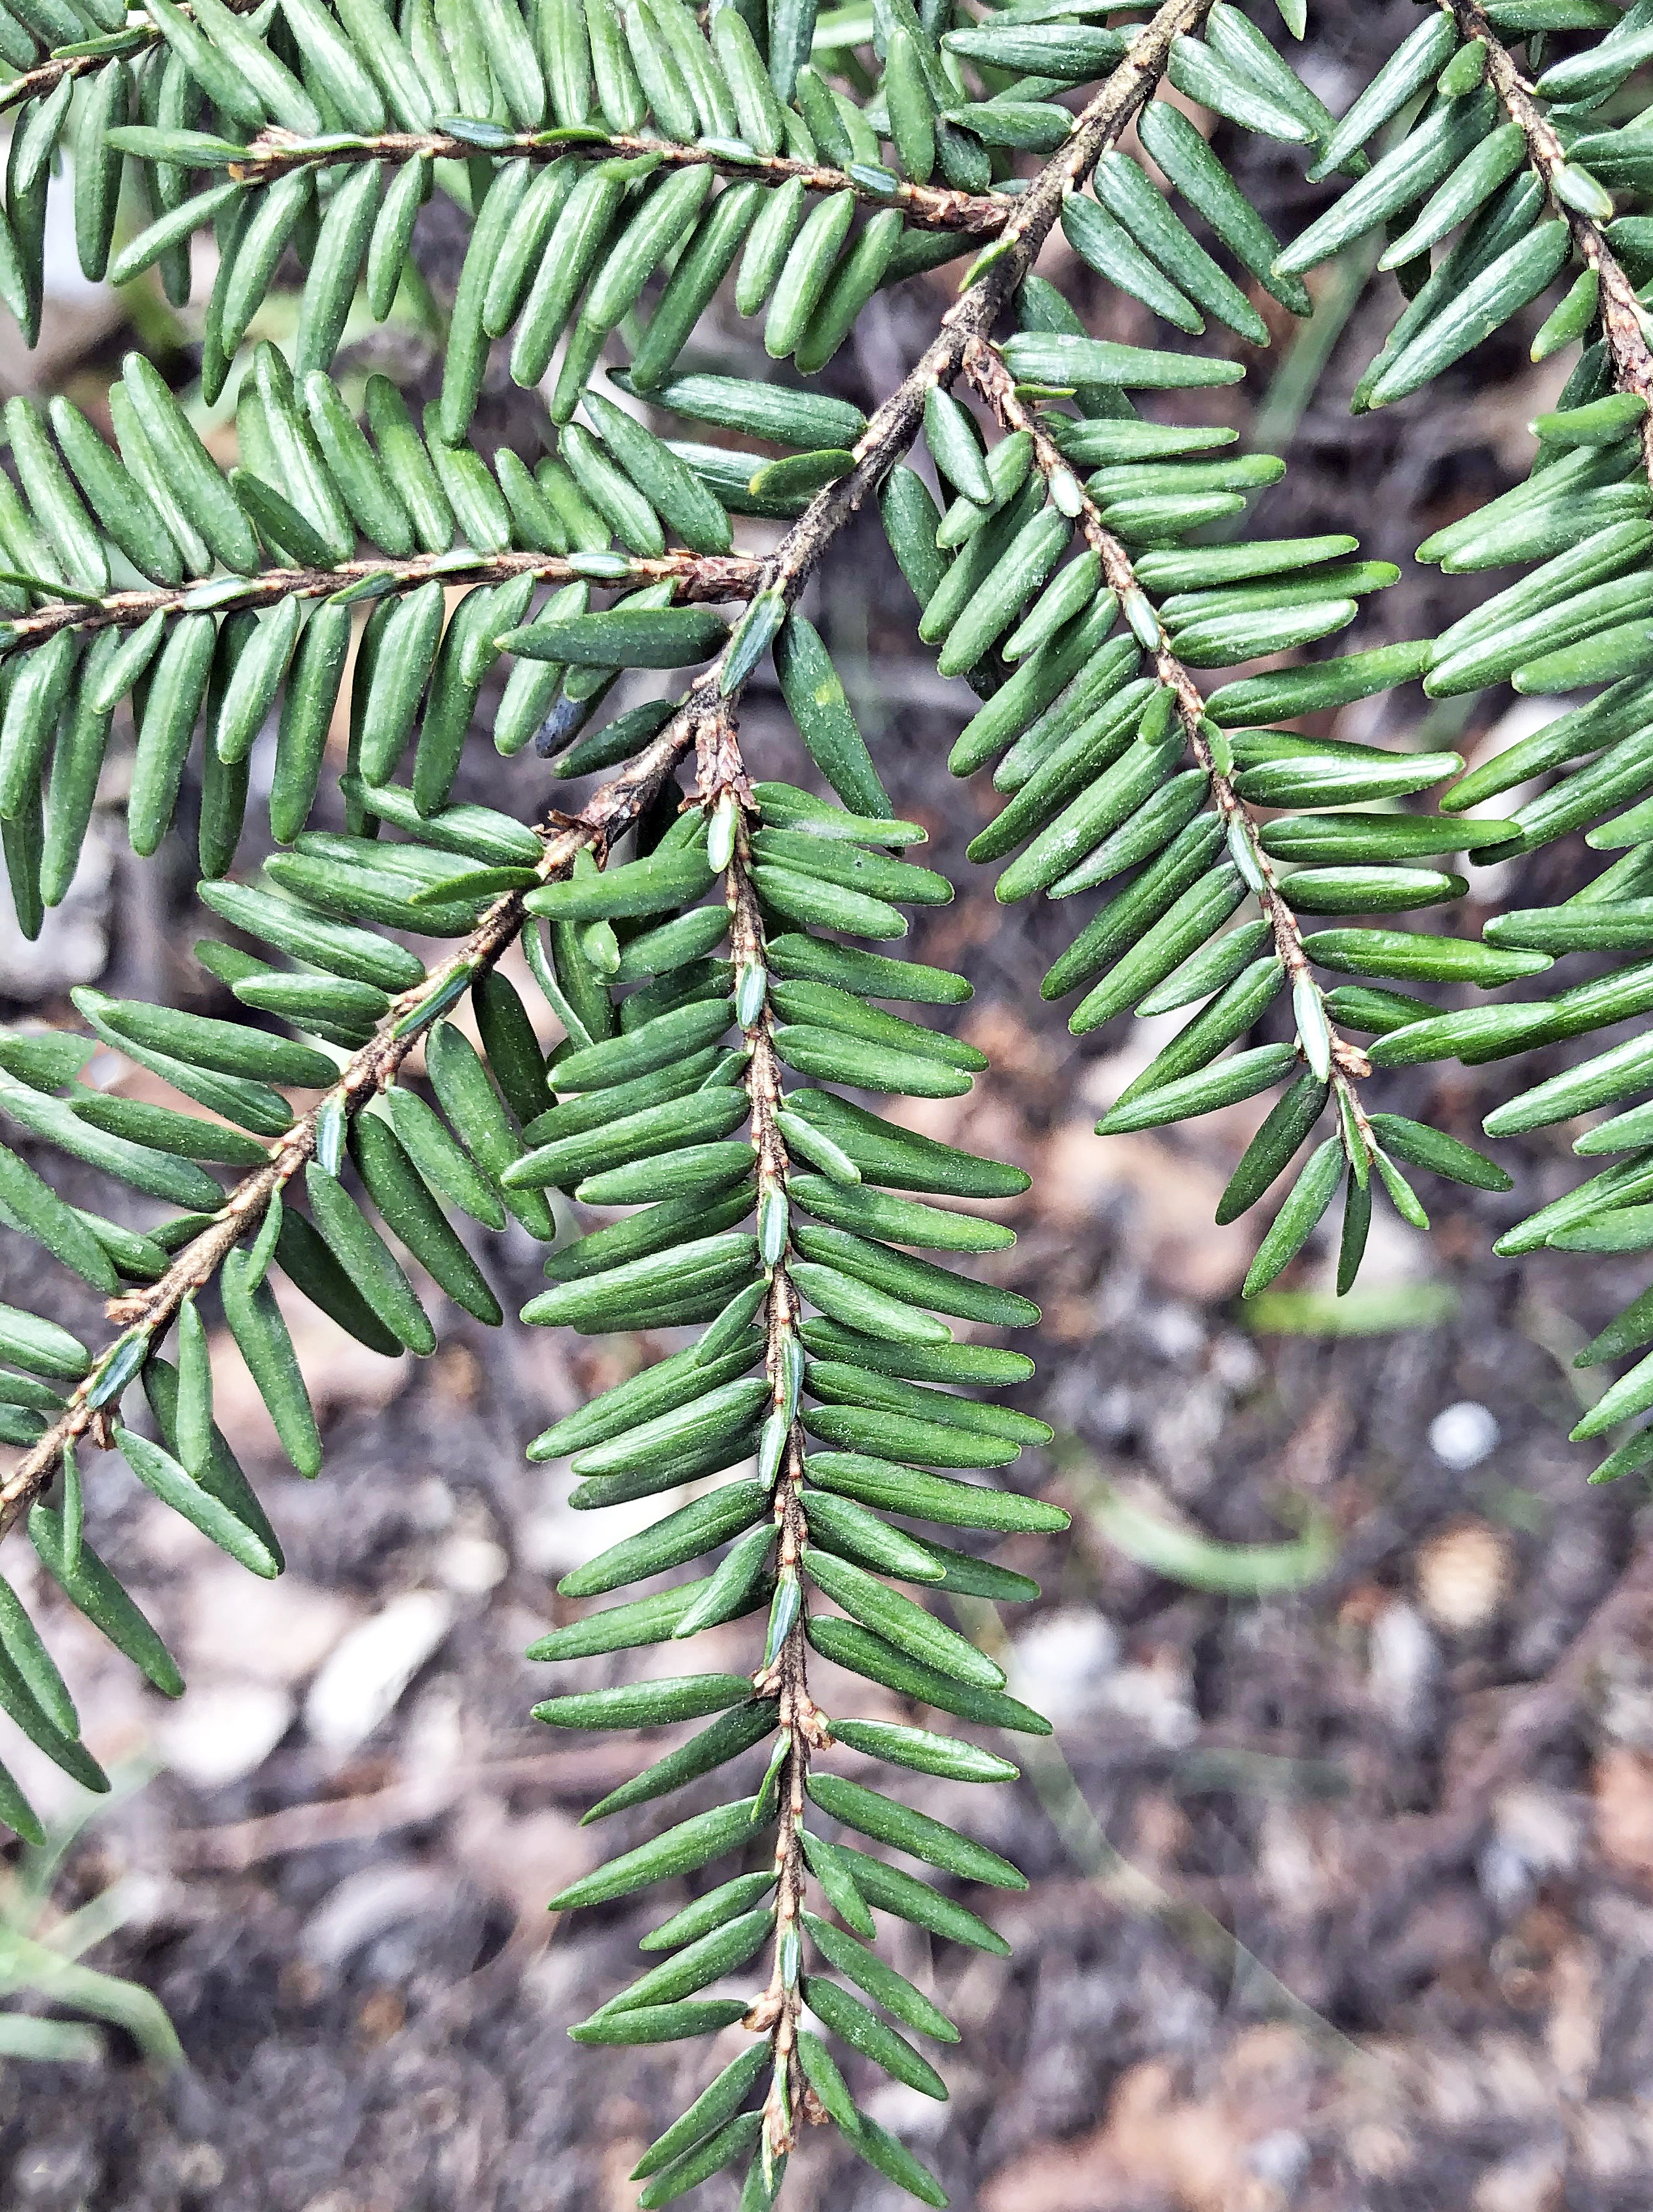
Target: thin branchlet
145,1314
986,371
275,153
783,1677
998,274
694,576
709,722
1624,319
45,76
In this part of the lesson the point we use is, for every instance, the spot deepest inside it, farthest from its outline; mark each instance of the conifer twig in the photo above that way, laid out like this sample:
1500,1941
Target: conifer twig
620,803
986,371
1624,319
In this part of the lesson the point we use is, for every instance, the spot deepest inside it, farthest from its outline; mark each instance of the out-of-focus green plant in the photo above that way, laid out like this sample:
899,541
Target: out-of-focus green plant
41,1952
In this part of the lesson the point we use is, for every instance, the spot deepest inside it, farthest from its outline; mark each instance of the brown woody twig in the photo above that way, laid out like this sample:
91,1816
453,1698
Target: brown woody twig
697,576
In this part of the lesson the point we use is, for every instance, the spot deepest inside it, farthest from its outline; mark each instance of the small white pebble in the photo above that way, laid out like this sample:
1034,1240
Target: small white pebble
1402,1660
1279,2157
1173,1330
1062,1661
1464,1435
365,1676
472,1564
225,1731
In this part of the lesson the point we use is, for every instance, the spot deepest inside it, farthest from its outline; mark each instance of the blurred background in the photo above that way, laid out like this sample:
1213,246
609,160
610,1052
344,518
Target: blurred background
1342,1852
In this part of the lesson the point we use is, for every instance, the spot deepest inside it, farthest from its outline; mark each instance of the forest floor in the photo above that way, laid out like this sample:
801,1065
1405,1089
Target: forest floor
1341,1856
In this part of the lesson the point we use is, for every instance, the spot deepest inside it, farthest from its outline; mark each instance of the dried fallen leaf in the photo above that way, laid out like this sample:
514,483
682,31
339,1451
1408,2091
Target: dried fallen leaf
1464,1575
1623,1787
1167,1199
1158,2146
